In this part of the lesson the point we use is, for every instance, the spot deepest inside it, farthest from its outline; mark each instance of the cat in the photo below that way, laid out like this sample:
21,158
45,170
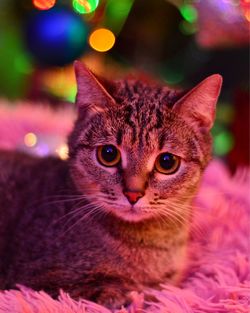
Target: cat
115,216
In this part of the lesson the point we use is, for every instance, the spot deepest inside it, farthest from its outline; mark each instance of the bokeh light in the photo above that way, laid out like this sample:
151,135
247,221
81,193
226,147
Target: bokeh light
223,143
22,63
56,37
173,77
247,15
102,40
30,139
117,13
85,6
189,13
188,28
63,151
245,6
44,4
60,82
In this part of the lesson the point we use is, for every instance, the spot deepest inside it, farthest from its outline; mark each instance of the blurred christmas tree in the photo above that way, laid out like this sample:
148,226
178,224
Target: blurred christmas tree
178,41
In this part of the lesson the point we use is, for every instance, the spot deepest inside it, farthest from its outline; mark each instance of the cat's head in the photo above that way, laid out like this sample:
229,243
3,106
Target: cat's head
138,151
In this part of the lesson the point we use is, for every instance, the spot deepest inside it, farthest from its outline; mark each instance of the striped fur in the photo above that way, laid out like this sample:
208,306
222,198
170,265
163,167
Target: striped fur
67,224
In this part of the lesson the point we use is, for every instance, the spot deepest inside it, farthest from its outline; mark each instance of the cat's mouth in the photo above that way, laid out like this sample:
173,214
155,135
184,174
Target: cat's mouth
132,213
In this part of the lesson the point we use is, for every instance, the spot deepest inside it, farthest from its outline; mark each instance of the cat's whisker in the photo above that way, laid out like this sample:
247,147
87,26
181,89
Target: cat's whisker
196,228
68,198
56,200
85,216
171,214
179,219
63,201
69,195
75,210
97,210
83,208
186,208
177,216
160,218
190,208
74,213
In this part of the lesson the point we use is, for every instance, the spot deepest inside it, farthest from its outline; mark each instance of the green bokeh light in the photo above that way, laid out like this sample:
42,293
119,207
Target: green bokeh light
117,13
223,143
71,95
15,65
174,78
187,28
225,113
189,13
119,9
85,6
22,64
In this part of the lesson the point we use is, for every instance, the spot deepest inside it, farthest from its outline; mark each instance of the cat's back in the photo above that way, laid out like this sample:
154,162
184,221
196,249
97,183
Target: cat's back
20,171
24,179
14,165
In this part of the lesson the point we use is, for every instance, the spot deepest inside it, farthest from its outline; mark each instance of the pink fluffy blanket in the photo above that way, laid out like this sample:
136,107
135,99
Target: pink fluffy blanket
218,276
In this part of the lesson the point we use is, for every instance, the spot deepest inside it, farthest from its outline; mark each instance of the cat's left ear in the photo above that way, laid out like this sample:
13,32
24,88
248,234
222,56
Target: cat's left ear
91,94
198,105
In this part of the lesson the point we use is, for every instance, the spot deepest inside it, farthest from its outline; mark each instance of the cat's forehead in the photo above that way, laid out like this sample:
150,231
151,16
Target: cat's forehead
144,106
144,93
142,117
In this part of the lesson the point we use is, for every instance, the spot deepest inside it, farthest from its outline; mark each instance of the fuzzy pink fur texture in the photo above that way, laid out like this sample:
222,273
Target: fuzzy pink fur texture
20,119
218,275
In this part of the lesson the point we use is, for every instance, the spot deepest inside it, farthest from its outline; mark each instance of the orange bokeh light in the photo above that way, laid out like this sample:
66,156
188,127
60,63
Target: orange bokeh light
44,4
247,15
30,139
102,40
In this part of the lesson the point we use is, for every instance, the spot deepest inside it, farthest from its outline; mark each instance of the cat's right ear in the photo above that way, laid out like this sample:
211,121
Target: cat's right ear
198,105
91,94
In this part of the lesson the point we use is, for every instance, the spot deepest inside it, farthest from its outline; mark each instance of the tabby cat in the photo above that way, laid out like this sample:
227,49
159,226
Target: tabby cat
115,216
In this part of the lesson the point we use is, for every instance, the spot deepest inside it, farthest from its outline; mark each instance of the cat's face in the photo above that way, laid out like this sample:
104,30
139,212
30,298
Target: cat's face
134,155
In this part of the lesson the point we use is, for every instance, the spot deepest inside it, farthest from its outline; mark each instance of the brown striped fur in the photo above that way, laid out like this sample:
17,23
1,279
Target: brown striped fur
67,224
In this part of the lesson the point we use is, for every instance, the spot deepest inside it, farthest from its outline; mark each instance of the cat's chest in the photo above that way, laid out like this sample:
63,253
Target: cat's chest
149,262
149,265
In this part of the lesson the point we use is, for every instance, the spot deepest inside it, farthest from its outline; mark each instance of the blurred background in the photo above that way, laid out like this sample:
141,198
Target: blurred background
178,42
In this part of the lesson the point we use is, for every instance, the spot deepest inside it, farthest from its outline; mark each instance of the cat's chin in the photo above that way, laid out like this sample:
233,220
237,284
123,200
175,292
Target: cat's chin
130,214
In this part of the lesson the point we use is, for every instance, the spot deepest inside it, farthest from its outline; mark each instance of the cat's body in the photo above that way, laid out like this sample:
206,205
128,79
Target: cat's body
112,256
100,230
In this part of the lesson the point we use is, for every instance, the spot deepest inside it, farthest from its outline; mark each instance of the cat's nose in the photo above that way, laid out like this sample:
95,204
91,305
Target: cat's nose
133,196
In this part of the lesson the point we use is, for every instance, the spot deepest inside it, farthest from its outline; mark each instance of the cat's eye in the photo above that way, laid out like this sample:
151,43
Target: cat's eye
167,163
108,155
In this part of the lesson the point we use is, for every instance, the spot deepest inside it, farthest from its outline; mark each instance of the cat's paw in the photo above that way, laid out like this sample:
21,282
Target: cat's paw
114,302
117,301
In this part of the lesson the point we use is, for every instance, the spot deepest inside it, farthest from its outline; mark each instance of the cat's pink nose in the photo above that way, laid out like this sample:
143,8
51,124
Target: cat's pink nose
133,196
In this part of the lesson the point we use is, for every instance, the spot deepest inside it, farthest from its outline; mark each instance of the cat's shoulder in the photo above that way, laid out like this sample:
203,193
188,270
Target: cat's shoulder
10,156
15,163
23,159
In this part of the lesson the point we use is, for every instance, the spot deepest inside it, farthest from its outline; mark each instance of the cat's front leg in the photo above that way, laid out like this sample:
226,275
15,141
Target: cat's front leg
114,297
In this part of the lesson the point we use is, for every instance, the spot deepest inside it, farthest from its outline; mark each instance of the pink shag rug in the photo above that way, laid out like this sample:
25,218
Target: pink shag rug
218,277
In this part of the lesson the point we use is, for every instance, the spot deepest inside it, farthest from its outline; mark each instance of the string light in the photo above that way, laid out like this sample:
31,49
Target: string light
102,40
85,6
30,139
44,4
